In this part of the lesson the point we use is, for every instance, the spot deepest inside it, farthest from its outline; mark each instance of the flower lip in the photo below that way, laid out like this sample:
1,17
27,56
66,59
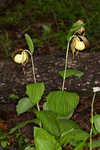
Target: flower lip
21,58
96,89
80,45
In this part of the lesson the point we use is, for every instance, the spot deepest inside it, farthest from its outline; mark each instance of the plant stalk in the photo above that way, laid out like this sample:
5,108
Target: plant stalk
92,120
33,71
66,64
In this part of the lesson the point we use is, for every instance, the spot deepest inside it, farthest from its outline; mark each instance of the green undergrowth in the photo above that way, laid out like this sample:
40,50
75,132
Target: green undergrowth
49,21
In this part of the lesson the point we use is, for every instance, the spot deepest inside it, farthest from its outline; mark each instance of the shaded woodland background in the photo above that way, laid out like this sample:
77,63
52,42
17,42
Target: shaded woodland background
47,22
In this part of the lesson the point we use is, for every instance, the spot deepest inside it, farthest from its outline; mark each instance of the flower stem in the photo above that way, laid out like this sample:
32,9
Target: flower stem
33,68
92,120
33,71
66,64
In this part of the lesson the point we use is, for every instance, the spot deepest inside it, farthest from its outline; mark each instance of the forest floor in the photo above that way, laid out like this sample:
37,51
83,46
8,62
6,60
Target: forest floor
47,67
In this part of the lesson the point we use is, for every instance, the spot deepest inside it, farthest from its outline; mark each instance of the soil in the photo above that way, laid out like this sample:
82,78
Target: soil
47,67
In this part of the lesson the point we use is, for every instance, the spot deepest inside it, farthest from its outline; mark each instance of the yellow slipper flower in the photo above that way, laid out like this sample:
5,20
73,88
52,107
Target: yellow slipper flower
21,58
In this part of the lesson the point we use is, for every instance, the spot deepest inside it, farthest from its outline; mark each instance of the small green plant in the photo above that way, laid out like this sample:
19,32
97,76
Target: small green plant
13,96
5,43
4,144
46,35
55,127
95,120
4,140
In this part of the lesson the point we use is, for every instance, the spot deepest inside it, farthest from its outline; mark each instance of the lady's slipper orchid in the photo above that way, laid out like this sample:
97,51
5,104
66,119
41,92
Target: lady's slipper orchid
21,58
80,31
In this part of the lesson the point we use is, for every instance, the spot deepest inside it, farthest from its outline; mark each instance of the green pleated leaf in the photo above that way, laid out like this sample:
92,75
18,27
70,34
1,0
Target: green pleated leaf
62,102
66,125
73,137
35,92
71,72
95,144
81,145
96,120
49,121
67,117
45,106
23,105
30,43
45,141
20,125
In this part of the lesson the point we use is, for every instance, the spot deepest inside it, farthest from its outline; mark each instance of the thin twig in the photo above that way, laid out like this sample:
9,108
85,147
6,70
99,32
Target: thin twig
33,71
92,120
66,64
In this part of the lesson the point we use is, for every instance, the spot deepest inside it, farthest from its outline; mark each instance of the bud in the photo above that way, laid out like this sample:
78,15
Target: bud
96,89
